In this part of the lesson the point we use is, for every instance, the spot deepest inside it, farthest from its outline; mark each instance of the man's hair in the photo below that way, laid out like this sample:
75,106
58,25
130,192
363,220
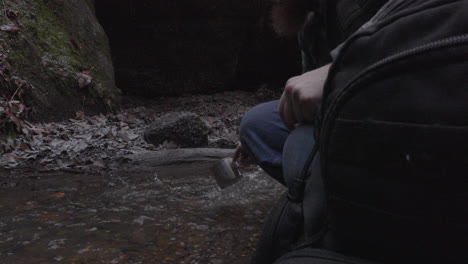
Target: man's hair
288,16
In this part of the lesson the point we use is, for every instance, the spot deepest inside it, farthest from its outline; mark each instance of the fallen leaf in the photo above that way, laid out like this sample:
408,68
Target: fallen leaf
80,146
25,146
123,258
25,131
77,45
45,161
57,195
12,14
10,28
124,136
39,132
17,122
10,158
27,207
100,164
16,107
79,115
6,148
84,78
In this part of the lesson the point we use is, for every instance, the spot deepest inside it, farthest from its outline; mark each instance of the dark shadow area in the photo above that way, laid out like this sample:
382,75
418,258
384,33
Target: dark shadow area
185,46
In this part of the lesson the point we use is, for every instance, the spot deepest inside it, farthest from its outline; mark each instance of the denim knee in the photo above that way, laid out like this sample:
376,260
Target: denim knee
263,133
248,124
262,137
256,123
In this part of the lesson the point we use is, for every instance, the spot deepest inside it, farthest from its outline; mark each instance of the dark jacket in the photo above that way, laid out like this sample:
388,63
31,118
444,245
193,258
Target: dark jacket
330,25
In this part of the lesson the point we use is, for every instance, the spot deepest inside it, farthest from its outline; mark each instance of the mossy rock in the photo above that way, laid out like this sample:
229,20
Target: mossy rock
185,129
57,39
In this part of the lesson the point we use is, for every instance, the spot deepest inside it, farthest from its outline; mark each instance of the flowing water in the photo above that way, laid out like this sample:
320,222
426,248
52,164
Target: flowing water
171,214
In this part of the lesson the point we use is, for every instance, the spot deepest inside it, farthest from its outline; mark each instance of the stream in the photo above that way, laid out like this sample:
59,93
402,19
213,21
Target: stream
168,214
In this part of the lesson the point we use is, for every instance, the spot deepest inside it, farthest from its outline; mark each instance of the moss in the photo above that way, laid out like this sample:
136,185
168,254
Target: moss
56,43
43,40
56,50
42,53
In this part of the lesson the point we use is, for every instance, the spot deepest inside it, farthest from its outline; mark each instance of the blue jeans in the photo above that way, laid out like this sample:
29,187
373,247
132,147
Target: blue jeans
280,152
263,134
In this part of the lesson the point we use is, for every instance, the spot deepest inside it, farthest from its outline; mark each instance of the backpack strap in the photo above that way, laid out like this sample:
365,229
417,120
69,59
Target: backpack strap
298,153
302,174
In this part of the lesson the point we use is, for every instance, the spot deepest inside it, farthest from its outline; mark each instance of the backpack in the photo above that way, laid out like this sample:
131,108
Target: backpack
387,179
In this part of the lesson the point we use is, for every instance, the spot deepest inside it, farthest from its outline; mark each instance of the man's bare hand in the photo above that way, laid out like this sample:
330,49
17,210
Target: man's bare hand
241,158
302,96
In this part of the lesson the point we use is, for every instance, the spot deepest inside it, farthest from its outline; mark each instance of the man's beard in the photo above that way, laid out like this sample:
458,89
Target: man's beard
288,16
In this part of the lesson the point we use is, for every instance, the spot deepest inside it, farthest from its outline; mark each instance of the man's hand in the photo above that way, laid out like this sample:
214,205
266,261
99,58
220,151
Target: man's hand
302,96
241,158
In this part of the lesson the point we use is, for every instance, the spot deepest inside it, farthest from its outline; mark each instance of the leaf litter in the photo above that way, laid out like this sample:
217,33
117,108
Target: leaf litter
94,143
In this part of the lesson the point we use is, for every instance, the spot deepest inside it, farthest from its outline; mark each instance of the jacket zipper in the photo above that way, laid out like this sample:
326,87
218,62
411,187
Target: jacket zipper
443,43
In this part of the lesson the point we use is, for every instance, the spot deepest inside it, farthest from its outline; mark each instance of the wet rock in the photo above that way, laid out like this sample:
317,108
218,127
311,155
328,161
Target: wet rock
183,128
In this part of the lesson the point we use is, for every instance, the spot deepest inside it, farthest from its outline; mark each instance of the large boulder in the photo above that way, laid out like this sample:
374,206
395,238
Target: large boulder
56,58
163,47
